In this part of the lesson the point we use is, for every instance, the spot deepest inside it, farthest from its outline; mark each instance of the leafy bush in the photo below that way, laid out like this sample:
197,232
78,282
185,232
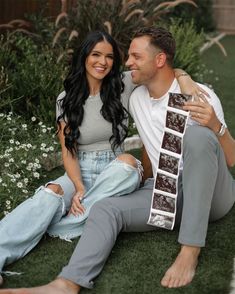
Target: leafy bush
119,17
34,74
202,15
35,63
188,44
25,150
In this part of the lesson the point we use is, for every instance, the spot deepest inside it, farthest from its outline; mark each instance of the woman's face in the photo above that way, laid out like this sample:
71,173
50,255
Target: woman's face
99,62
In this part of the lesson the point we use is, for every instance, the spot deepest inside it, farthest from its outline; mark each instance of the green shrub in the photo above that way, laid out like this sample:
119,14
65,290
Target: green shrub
35,65
202,16
188,44
119,17
25,149
35,76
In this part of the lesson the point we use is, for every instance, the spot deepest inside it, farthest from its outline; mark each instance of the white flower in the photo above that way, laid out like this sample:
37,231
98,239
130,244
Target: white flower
36,160
8,118
8,202
26,180
11,160
23,161
13,180
43,145
40,123
33,118
44,130
36,175
19,184
51,148
24,126
17,175
11,141
6,164
29,145
44,154
17,143
25,191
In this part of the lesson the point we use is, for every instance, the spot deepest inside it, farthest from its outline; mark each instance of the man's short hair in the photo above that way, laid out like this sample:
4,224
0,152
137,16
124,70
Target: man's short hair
160,38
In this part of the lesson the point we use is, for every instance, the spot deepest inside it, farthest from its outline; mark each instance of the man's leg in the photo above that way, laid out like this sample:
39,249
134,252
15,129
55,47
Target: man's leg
208,188
106,219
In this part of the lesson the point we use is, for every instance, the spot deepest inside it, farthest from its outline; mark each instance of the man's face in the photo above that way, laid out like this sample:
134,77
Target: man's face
141,60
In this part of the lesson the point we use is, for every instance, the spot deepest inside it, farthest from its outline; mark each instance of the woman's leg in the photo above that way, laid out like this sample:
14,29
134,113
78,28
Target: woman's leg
120,177
23,228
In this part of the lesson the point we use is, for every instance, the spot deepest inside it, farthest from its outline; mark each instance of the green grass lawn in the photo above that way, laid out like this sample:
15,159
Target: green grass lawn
138,261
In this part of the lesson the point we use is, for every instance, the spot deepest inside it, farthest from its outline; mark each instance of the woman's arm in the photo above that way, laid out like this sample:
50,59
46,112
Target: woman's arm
72,168
188,86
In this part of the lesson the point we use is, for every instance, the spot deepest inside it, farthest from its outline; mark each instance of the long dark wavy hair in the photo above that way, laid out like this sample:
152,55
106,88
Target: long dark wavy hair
77,91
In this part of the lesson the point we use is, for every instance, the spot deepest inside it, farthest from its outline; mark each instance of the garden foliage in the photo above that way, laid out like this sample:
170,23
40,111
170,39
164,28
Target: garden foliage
25,151
34,64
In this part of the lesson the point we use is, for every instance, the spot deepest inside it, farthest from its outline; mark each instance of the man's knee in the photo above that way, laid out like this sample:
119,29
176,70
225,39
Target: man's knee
128,158
56,188
198,139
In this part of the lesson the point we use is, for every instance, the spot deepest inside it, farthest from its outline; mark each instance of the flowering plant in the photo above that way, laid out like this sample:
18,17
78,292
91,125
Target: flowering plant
25,151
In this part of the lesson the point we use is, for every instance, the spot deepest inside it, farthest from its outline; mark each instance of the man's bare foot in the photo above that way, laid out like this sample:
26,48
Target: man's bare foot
1,280
58,286
183,269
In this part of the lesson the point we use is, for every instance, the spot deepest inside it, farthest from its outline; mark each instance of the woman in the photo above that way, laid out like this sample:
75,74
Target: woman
92,125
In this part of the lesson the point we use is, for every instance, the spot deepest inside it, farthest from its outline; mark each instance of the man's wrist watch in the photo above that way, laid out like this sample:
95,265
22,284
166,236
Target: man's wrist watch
221,131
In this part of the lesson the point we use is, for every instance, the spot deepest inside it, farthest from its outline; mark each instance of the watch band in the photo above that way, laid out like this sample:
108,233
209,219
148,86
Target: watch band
221,131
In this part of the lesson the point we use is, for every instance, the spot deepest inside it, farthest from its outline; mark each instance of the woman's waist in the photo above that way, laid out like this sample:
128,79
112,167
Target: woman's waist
105,154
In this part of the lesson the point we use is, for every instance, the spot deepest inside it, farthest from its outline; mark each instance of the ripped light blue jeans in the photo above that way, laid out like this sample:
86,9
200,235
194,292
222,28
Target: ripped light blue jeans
103,176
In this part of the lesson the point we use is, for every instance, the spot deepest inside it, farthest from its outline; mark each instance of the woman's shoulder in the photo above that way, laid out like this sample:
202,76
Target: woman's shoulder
127,80
61,96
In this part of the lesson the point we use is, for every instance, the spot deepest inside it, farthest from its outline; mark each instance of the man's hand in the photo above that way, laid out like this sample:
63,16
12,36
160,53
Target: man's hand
76,207
204,114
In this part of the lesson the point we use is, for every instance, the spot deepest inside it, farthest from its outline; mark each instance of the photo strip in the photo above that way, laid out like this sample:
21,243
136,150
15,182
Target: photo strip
164,202
168,163
165,192
162,221
176,121
177,100
165,183
171,142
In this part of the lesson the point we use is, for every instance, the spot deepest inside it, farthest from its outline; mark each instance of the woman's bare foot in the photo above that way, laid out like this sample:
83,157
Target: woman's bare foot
183,269
58,286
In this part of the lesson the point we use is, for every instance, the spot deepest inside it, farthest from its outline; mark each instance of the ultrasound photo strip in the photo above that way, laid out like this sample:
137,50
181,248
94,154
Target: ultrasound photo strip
165,191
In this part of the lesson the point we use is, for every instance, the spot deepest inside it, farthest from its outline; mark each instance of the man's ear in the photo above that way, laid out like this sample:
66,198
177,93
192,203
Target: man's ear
160,59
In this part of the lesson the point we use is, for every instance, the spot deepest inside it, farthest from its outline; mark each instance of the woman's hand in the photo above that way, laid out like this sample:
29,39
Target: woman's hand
76,206
189,87
204,114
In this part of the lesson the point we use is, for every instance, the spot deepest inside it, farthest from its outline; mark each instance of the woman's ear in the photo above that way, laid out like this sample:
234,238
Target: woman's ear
160,59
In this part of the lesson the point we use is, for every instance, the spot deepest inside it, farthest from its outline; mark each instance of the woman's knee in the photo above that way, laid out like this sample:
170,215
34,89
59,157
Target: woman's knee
128,158
56,188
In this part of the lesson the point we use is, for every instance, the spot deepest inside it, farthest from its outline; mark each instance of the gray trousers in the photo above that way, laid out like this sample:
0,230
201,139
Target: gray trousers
206,193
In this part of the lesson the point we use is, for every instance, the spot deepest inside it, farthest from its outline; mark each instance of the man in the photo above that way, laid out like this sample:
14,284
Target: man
205,184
